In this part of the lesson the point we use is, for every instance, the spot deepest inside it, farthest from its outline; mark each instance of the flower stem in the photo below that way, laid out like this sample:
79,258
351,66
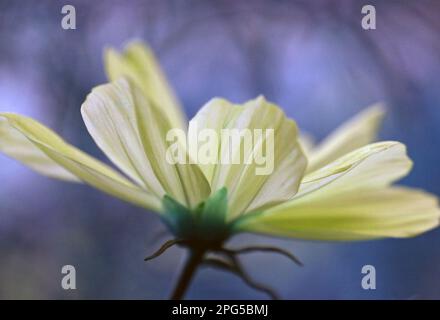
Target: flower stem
194,260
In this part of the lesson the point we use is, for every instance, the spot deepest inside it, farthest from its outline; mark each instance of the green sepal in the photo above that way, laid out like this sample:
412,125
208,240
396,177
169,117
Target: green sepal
177,217
205,223
215,208
212,220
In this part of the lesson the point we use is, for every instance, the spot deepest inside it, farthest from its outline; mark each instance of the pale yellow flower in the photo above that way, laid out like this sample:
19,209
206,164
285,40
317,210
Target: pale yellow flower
339,190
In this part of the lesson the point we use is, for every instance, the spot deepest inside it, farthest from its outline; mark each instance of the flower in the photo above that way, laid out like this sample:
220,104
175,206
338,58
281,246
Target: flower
340,189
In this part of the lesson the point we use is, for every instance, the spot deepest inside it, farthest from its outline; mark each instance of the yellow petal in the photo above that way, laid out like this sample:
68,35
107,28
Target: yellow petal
139,64
248,189
17,146
132,133
215,115
355,133
183,181
373,166
48,154
110,117
367,214
307,143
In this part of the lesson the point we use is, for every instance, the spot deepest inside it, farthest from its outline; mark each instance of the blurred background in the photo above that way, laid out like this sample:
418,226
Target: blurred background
310,57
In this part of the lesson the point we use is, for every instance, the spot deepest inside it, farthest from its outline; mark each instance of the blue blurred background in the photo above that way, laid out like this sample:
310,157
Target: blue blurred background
311,57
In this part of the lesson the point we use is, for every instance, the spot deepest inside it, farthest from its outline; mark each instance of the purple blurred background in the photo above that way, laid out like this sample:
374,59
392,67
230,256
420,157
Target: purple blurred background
311,57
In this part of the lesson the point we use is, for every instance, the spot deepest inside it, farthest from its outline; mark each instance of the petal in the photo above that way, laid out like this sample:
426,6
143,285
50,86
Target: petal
215,115
132,133
48,154
17,146
110,117
307,143
183,181
249,187
389,212
355,133
139,64
373,166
